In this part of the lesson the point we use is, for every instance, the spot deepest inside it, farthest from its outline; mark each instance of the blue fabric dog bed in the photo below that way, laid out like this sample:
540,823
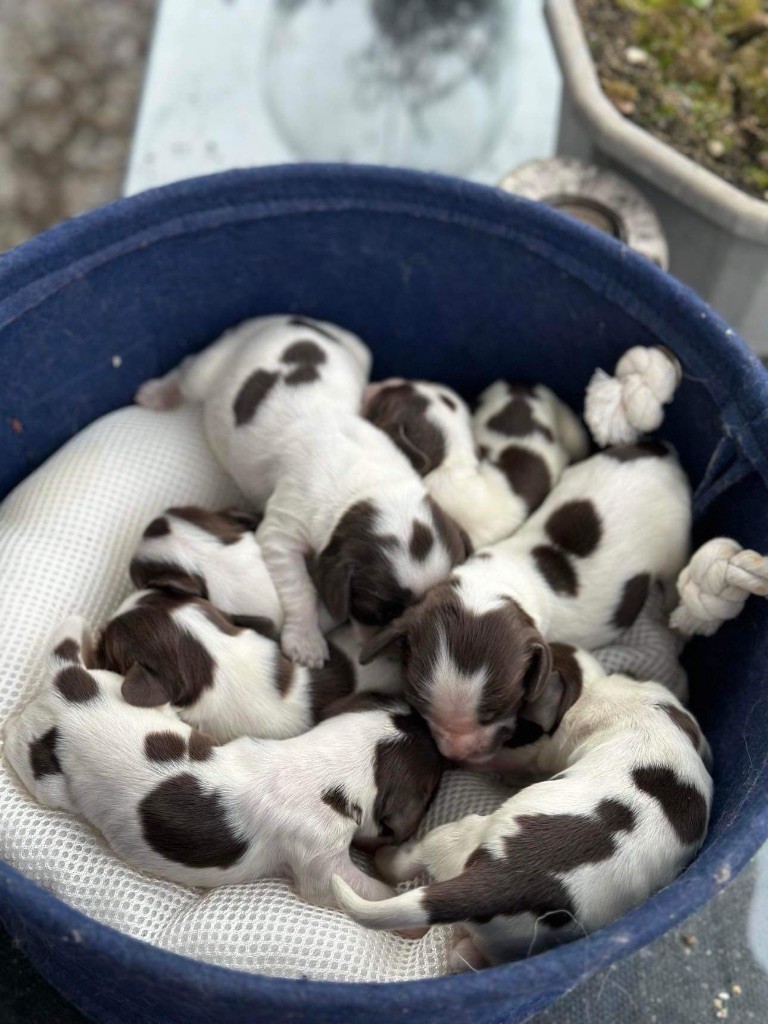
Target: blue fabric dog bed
447,281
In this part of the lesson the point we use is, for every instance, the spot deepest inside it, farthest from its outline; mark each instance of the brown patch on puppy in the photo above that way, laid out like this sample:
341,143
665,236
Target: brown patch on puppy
407,769
68,650
354,575
284,669
224,623
366,700
200,746
149,574
652,449
183,823
164,746
527,473
305,373
304,352
226,526
556,570
575,527
455,540
528,879
517,419
42,755
332,681
568,670
684,722
400,411
161,661
684,806
421,541
338,801
76,685
159,527
632,600
252,394
260,624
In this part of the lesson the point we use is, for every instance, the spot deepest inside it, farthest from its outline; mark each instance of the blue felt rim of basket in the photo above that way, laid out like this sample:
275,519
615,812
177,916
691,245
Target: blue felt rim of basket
677,317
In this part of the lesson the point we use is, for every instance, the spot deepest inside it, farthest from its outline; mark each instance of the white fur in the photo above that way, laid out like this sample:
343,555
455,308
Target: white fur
270,791
614,727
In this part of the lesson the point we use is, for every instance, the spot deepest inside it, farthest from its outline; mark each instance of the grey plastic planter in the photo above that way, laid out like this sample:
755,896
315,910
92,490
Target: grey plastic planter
718,235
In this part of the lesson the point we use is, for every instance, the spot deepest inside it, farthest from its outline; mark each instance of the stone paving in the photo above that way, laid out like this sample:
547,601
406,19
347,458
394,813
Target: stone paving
70,79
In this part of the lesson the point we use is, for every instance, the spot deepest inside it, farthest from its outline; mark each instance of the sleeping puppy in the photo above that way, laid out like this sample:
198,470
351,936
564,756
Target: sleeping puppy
199,553
624,810
577,571
489,494
172,803
527,436
258,379
280,405
225,679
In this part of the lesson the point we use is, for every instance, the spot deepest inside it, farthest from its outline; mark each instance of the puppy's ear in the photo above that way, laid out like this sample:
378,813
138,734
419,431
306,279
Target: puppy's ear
146,575
560,692
387,635
539,669
333,579
143,688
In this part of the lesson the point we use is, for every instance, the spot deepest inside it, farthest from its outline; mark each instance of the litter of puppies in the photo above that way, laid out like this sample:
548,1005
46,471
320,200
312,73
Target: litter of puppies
412,586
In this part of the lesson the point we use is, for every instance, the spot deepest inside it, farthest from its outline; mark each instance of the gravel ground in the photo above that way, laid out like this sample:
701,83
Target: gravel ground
70,77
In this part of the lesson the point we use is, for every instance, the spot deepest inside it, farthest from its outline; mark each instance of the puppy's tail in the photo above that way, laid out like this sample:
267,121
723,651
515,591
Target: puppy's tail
463,897
403,911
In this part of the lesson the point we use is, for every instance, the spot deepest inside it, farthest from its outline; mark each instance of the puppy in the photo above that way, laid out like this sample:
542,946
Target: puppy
225,679
281,412
256,381
527,436
170,802
624,810
577,571
214,555
491,486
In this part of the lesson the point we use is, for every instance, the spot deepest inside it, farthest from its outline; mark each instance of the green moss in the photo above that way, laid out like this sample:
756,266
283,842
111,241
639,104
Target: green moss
704,86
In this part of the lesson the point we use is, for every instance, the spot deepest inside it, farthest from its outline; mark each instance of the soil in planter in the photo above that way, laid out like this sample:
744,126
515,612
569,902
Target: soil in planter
694,73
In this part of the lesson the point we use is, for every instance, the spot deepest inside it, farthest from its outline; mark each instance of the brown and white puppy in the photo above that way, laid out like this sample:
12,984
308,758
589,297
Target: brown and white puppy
225,679
577,571
624,809
491,479
255,381
526,436
280,405
172,803
214,555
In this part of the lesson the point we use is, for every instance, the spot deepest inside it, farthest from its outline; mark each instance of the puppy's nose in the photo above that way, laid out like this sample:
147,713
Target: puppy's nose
461,747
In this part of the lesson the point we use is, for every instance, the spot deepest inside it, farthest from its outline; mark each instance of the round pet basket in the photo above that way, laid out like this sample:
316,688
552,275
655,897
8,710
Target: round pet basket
446,281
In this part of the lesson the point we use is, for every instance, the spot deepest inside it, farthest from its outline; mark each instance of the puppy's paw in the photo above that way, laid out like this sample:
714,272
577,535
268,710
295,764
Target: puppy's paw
159,395
411,933
304,646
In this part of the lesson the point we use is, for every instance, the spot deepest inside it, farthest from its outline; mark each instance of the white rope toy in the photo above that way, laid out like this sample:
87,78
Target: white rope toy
619,409
715,584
